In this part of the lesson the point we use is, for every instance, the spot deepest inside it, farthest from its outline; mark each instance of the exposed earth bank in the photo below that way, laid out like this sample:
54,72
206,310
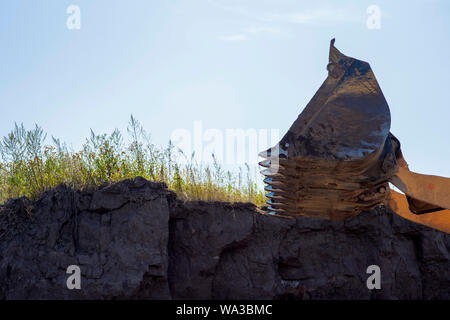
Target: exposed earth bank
135,239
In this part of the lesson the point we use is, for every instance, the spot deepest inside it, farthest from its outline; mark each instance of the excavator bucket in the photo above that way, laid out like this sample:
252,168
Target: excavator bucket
338,157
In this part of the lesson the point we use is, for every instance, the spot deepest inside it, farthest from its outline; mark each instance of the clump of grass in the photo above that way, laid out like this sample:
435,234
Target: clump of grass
29,166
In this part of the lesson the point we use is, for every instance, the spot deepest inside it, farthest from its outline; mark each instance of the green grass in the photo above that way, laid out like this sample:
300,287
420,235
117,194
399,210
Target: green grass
29,166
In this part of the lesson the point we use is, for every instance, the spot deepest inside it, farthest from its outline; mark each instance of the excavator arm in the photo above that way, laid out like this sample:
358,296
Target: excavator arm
426,198
433,190
439,219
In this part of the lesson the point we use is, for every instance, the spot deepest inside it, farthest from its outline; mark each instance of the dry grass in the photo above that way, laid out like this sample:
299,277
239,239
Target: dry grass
29,166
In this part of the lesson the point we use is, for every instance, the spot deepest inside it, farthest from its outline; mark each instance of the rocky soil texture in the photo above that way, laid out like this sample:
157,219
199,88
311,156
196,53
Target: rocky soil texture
135,240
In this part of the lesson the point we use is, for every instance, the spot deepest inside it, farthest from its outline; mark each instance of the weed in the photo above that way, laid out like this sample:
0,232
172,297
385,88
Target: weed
29,166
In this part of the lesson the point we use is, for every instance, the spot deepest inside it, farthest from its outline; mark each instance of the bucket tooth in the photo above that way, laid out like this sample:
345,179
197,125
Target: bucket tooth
283,184
281,196
274,152
281,212
286,213
280,170
283,206
275,189
268,180
270,195
265,163
269,171
264,154
278,185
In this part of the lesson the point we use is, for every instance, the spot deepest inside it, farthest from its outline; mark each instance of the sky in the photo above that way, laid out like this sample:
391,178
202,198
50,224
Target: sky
248,64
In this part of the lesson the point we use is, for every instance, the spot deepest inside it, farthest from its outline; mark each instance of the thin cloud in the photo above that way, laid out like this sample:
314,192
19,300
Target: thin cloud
234,37
277,23
310,17
255,31
263,29
326,14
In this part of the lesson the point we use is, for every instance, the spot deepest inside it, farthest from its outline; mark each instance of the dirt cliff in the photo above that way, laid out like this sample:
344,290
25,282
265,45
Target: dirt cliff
135,239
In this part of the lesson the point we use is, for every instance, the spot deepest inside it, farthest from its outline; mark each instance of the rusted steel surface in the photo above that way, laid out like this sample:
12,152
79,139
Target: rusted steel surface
338,157
439,220
434,190
328,163
348,117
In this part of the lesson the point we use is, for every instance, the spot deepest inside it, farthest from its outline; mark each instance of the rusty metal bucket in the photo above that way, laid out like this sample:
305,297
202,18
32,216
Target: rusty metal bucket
338,157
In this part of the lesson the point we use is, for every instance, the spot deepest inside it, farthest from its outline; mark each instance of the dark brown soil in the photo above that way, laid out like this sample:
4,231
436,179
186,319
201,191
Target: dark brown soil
135,239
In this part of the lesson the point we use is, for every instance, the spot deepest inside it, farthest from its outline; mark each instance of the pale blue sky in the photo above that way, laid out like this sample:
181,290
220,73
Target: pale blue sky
232,64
